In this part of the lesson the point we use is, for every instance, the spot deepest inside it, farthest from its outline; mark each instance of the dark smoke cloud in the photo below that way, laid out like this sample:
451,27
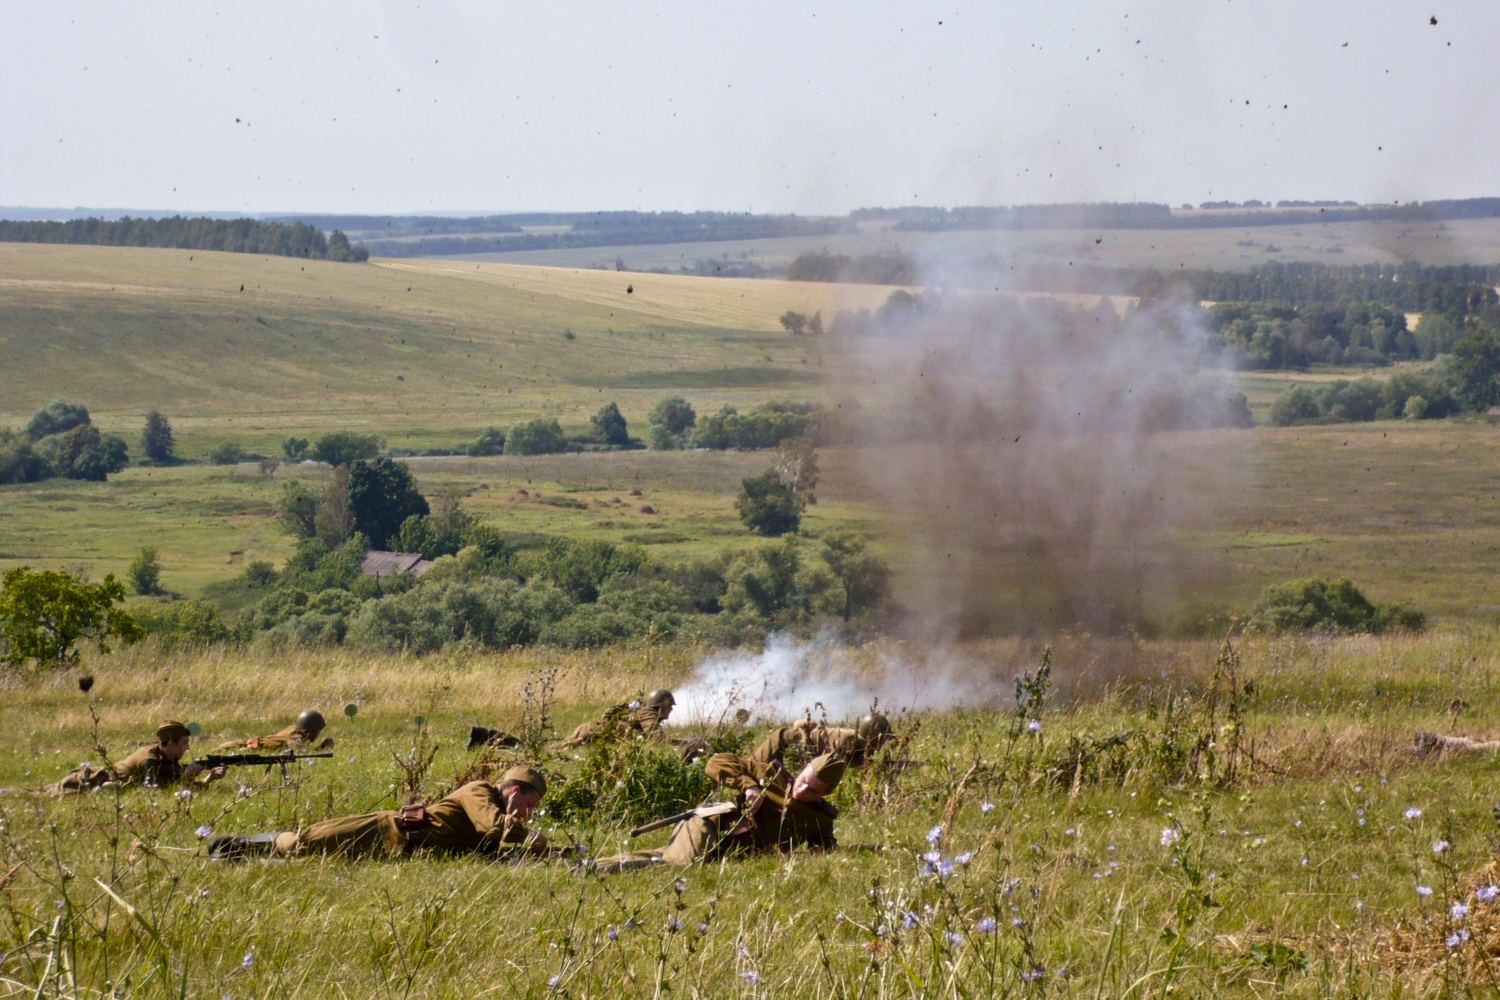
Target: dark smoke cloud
1044,460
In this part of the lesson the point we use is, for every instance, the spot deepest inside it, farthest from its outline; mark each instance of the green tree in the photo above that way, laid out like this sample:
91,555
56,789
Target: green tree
609,425
333,520
345,448
46,615
862,575
56,417
84,453
297,509
675,414
794,322
19,462
1476,368
491,442
294,448
157,441
144,573
538,436
767,505
227,453
796,465
382,494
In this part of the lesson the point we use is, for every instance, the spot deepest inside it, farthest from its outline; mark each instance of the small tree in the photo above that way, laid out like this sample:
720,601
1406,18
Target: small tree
227,453
794,322
382,494
1476,368
157,441
609,425
491,442
333,521
815,325
297,509
767,505
345,448
675,414
294,448
796,465
144,573
46,615
862,574
84,453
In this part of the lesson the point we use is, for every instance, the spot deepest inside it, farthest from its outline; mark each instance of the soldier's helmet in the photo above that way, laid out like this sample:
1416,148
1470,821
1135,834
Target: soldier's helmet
873,726
660,697
310,721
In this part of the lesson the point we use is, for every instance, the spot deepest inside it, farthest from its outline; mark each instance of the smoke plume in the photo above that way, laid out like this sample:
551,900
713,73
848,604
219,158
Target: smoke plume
1043,460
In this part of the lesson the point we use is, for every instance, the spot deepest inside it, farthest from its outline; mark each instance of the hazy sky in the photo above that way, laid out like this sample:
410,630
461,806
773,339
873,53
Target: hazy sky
811,107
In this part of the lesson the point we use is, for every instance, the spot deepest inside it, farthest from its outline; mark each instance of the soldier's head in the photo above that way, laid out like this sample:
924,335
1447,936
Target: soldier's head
311,722
174,739
522,787
874,729
819,778
661,699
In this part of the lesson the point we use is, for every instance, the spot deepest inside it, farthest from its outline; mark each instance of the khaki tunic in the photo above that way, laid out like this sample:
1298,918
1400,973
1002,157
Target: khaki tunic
807,739
620,719
147,766
471,819
289,738
781,824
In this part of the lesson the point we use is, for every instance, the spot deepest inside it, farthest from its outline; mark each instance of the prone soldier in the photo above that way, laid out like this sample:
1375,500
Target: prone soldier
646,718
809,739
772,812
298,736
479,817
157,764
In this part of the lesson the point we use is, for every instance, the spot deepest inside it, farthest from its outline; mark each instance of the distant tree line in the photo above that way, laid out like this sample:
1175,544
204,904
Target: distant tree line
598,229
233,235
869,269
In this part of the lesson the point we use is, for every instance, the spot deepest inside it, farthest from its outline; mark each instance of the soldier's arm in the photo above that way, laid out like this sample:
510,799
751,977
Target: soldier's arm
737,772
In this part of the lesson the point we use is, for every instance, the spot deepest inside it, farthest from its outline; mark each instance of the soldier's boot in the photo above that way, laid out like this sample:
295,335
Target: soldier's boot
233,848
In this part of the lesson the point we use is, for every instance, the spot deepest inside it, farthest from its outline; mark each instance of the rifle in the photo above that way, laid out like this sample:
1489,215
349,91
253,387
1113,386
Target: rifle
706,809
214,760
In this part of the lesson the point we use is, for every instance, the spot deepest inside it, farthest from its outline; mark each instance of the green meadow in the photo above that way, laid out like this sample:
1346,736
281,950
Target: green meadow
1184,820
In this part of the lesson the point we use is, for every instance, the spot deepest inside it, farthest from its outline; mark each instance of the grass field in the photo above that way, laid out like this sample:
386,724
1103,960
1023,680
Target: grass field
1470,241
1294,865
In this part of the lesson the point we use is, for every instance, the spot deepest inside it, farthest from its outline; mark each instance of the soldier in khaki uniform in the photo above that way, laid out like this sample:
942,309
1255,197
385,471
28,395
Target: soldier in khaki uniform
157,764
805,739
477,818
645,718
793,812
300,735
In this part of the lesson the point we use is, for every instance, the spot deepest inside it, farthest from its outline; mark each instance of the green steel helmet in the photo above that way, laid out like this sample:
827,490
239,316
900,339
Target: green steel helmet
310,722
873,726
660,697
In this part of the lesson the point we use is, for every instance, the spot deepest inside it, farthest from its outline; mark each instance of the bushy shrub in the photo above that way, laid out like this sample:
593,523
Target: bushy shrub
766,426
227,453
538,436
345,448
616,617
57,417
674,415
492,614
490,442
314,567
1312,604
625,778
85,453
581,569
181,623
19,462
771,583
1367,399
294,448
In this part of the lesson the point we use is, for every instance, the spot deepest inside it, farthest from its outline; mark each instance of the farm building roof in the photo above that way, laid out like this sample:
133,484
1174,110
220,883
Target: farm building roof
377,563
